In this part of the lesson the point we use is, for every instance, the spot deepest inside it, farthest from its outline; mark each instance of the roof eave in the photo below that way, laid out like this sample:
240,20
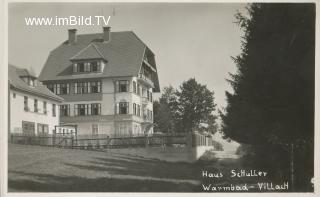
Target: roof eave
59,99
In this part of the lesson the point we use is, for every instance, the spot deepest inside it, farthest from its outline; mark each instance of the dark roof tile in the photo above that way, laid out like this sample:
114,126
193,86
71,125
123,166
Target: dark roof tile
39,89
124,53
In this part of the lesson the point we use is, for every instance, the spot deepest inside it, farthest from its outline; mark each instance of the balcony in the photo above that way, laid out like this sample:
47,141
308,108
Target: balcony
147,118
144,100
146,80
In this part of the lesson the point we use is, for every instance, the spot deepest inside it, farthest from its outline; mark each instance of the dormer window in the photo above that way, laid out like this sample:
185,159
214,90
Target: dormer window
95,67
80,67
29,80
90,66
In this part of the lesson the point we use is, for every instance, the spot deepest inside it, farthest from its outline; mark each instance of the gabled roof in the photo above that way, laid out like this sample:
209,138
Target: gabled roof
89,52
16,82
124,54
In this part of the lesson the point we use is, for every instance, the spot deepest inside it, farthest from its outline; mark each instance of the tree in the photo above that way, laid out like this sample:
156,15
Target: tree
272,106
185,110
165,110
195,104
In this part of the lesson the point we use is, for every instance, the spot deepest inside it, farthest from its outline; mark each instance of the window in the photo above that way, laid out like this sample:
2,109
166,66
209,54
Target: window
123,108
138,110
28,128
95,87
44,107
95,109
35,105
95,67
54,110
122,129
134,109
95,129
81,88
64,110
80,67
60,88
138,89
50,87
43,129
26,108
148,95
149,115
64,88
134,85
14,95
31,82
87,109
82,109
57,88
87,67
123,86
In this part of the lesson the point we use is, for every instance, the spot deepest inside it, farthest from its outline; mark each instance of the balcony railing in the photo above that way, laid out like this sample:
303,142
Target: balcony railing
146,79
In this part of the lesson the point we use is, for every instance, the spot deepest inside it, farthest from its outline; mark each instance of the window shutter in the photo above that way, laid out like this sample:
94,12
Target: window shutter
89,109
68,88
129,88
99,109
89,87
99,66
75,69
117,108
128,108
86,67
117,86
99,86
75,110
75,88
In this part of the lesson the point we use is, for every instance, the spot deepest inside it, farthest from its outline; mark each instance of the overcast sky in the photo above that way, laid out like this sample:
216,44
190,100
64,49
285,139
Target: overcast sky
188,40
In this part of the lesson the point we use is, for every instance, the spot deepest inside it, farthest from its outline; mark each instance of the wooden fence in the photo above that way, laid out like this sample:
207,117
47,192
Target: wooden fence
105,141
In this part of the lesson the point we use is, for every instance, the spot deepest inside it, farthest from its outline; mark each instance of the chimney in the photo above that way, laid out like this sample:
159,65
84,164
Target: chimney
72,36
106,34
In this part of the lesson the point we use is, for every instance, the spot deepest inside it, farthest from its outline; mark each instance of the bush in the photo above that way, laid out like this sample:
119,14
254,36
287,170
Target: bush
208,156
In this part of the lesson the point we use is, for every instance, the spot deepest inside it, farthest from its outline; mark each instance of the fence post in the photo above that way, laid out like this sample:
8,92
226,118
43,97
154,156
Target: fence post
71,142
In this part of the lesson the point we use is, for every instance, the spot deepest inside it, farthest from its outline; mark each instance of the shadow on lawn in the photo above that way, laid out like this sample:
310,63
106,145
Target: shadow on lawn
118,174
53,183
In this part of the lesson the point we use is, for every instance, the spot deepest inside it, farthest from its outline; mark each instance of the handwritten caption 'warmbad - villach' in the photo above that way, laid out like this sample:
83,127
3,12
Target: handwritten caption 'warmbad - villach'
221,186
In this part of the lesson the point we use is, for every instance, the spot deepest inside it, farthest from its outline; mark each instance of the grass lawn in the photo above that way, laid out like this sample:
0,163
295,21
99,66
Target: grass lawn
46,169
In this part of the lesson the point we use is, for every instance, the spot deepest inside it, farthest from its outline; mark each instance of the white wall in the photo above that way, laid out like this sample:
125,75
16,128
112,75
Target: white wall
85,128
18,114
108,103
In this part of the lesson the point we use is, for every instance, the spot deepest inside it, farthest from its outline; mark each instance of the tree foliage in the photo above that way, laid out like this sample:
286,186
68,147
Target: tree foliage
273,99
195,105
186,109
164,111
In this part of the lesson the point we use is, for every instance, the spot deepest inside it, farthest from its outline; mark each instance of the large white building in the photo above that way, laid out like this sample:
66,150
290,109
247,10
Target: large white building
33,109
107,81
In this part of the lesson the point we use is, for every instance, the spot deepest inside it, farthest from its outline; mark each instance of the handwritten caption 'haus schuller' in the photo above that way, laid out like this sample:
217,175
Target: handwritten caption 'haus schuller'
218,183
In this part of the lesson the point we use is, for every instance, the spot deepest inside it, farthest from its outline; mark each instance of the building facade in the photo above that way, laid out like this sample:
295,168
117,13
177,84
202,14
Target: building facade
107,81
33,109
